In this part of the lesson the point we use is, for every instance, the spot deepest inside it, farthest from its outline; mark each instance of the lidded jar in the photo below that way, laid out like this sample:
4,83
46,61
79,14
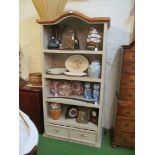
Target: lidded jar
96,91
94,69
87,91
55,110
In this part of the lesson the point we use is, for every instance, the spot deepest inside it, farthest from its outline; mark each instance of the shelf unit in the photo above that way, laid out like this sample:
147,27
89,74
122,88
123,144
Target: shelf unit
69,129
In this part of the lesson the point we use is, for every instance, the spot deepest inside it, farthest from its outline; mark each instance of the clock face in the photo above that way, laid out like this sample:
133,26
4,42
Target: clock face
72,112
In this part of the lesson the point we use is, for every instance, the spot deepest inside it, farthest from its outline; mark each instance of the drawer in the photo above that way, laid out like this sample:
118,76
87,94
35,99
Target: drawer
125,124
57,131
128,67
127,94
83,135
126,109
129,56
124,139
127,80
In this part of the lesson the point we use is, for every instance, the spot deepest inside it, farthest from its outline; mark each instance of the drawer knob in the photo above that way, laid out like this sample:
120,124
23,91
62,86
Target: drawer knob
128,112
126,125
132,80
83,135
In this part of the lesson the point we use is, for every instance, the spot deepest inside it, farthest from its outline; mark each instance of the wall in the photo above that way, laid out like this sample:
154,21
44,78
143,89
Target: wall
120,33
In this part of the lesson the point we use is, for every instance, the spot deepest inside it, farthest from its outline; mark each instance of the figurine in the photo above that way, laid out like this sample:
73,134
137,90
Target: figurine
93,40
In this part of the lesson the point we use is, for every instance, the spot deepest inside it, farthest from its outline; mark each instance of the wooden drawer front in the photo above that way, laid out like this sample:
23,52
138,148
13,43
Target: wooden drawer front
124,139
127,94
84,136
128,67
56,130
125,124
127,80
129,56
126,109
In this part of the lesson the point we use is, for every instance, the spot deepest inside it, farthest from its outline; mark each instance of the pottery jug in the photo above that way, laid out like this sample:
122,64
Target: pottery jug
94,69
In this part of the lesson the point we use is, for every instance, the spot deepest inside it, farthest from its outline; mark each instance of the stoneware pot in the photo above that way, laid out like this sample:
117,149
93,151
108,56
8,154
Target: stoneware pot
55,114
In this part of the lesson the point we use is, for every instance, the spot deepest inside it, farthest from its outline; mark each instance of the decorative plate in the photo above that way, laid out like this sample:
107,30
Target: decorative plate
76,63
75,73
56,71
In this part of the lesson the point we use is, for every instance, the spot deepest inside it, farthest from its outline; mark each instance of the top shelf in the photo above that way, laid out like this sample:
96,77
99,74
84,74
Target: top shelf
73,51
75,14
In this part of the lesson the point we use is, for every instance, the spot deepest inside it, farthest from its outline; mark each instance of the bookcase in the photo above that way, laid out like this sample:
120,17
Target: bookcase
63,128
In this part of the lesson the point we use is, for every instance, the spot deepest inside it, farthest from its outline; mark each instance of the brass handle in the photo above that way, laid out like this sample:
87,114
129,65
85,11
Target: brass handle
83,135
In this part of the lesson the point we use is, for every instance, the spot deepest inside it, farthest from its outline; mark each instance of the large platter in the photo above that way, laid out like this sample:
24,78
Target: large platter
76,63
75,73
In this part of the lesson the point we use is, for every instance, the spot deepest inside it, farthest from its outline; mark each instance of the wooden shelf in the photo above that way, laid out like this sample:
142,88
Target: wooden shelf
71,123
75,78
56,59
73,51
70,101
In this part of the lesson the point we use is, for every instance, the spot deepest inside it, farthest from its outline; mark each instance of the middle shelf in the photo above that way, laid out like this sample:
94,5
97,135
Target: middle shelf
65,77
71,101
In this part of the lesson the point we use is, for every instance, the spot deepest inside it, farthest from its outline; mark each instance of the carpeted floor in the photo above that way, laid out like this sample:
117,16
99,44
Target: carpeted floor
48,146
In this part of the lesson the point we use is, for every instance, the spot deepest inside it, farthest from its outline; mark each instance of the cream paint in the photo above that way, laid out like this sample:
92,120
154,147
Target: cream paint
120,33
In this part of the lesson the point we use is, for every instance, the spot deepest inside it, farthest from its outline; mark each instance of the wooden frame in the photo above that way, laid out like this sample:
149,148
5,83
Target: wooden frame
92,133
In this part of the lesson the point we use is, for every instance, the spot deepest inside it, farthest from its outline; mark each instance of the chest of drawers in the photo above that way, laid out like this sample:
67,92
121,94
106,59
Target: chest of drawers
124,125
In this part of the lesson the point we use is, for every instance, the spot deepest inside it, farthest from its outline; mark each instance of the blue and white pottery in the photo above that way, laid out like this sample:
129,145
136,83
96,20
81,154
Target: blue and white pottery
96,94
96,86
94,69
87,85
88,93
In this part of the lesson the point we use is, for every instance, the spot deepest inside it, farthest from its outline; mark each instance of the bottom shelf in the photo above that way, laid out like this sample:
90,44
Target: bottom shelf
72,123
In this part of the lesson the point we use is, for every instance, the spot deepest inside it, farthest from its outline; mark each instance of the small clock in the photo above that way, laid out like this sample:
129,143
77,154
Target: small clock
72,112
94,116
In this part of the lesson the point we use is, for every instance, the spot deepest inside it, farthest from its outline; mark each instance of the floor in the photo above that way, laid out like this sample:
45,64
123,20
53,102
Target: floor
48,146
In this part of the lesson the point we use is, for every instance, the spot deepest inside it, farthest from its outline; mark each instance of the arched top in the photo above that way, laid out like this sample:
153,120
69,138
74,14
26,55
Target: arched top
76,15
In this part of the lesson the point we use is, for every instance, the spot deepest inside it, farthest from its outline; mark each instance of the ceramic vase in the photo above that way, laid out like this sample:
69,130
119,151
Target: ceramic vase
87,93
96,92
94,69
